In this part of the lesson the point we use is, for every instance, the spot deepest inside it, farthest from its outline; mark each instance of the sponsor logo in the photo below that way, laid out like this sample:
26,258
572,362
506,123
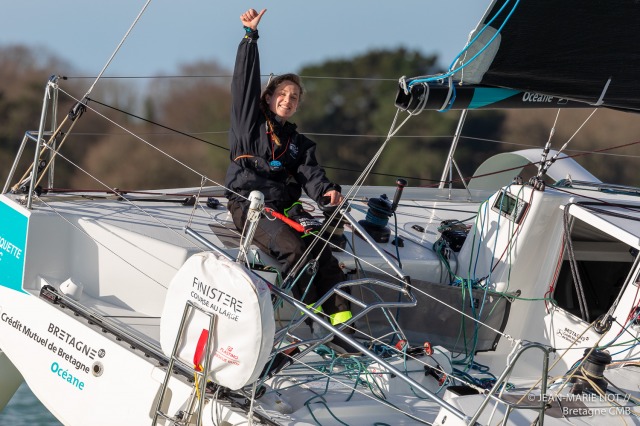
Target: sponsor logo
75,343
51,342
65,375
536,97
219,301
571,336
293,150
8,247
13,242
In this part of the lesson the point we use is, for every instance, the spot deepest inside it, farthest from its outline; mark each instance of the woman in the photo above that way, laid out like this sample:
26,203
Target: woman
269,155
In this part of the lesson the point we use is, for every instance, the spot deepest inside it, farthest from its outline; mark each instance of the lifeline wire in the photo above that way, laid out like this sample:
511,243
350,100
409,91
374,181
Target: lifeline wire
353,191
148,143
117,48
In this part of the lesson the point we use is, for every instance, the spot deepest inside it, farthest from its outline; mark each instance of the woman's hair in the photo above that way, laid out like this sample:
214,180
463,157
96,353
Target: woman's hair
274,82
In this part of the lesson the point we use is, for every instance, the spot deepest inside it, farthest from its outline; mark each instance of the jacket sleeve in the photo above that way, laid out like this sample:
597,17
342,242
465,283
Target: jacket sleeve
245,96
310,174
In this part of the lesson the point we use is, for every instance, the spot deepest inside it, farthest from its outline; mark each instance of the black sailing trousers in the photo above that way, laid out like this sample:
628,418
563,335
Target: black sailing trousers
287,246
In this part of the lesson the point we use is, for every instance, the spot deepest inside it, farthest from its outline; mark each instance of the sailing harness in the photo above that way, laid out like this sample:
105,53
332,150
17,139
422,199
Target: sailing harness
274,165
292,223
297,218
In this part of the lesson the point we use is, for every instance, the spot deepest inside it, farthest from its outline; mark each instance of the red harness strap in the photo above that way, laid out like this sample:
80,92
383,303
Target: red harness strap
292,223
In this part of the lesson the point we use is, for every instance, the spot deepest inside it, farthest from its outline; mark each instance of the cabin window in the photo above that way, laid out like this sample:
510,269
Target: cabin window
603,264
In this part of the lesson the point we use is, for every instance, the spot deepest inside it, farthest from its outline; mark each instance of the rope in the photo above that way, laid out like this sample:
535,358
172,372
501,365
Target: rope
121,195
547,146
602,151
117,49
365,174
453,71
582,300
549,163
127,131
353,191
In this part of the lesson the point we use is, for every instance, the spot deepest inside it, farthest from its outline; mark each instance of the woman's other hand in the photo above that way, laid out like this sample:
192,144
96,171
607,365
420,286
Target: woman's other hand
334,196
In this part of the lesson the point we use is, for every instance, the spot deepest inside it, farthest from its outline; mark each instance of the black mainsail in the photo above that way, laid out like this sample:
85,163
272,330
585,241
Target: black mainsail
541,53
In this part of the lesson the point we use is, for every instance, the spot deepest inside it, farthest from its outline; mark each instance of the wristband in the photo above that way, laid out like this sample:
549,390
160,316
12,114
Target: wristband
250,33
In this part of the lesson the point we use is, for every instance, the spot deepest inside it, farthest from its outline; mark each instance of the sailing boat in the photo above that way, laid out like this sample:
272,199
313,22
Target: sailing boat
510,301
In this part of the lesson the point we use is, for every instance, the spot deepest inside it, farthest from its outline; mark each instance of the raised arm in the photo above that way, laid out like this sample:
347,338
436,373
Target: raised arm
245,85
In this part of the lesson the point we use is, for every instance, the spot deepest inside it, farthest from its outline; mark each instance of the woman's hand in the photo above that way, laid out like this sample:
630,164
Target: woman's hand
334,196
251,18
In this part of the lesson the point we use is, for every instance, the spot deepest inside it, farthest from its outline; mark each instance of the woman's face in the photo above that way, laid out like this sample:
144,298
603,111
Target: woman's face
285,99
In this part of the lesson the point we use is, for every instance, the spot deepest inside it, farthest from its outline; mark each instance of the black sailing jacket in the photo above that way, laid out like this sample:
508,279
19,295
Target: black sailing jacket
252,150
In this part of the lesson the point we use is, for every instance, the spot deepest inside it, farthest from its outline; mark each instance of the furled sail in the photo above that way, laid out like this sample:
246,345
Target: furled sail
541,53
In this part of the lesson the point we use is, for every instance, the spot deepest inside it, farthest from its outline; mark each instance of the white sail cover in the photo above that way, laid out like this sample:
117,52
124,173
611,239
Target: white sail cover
243,336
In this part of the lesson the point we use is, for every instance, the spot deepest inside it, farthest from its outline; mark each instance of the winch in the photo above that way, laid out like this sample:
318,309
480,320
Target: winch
379,212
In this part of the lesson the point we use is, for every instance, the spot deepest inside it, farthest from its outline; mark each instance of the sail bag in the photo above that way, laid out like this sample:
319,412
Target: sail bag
242,337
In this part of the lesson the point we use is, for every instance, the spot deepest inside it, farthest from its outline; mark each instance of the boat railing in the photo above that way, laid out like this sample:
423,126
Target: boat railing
196,402
501,383
50,102
599,186
406,299
30,135
340,332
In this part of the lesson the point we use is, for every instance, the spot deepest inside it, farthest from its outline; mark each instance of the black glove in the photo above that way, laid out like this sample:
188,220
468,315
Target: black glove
297,213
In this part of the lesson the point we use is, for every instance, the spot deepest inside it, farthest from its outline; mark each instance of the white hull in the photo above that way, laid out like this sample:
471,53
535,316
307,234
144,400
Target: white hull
124,263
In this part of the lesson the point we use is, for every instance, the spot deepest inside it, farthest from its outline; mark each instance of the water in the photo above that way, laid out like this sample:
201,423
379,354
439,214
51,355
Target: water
24,409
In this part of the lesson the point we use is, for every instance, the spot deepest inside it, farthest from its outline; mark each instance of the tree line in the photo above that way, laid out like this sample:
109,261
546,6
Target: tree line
174,130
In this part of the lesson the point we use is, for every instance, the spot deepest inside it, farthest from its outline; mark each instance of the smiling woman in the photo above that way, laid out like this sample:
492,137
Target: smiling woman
269,155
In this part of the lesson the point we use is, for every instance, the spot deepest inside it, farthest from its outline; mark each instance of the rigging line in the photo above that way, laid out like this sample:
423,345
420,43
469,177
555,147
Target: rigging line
604,202
155,123
349,78
567,222
600,151
352,193
332,378
227,149
451,71
351,135
230,76
495,141
77,228
419,290
117,48
547,146
579,154
149,144
555,157
195,203
45,146
125,199
55,150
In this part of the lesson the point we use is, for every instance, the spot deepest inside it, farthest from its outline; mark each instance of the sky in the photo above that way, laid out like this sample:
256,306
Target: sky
294,33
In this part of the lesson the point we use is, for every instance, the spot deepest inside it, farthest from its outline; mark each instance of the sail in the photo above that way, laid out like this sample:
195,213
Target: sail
584,51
